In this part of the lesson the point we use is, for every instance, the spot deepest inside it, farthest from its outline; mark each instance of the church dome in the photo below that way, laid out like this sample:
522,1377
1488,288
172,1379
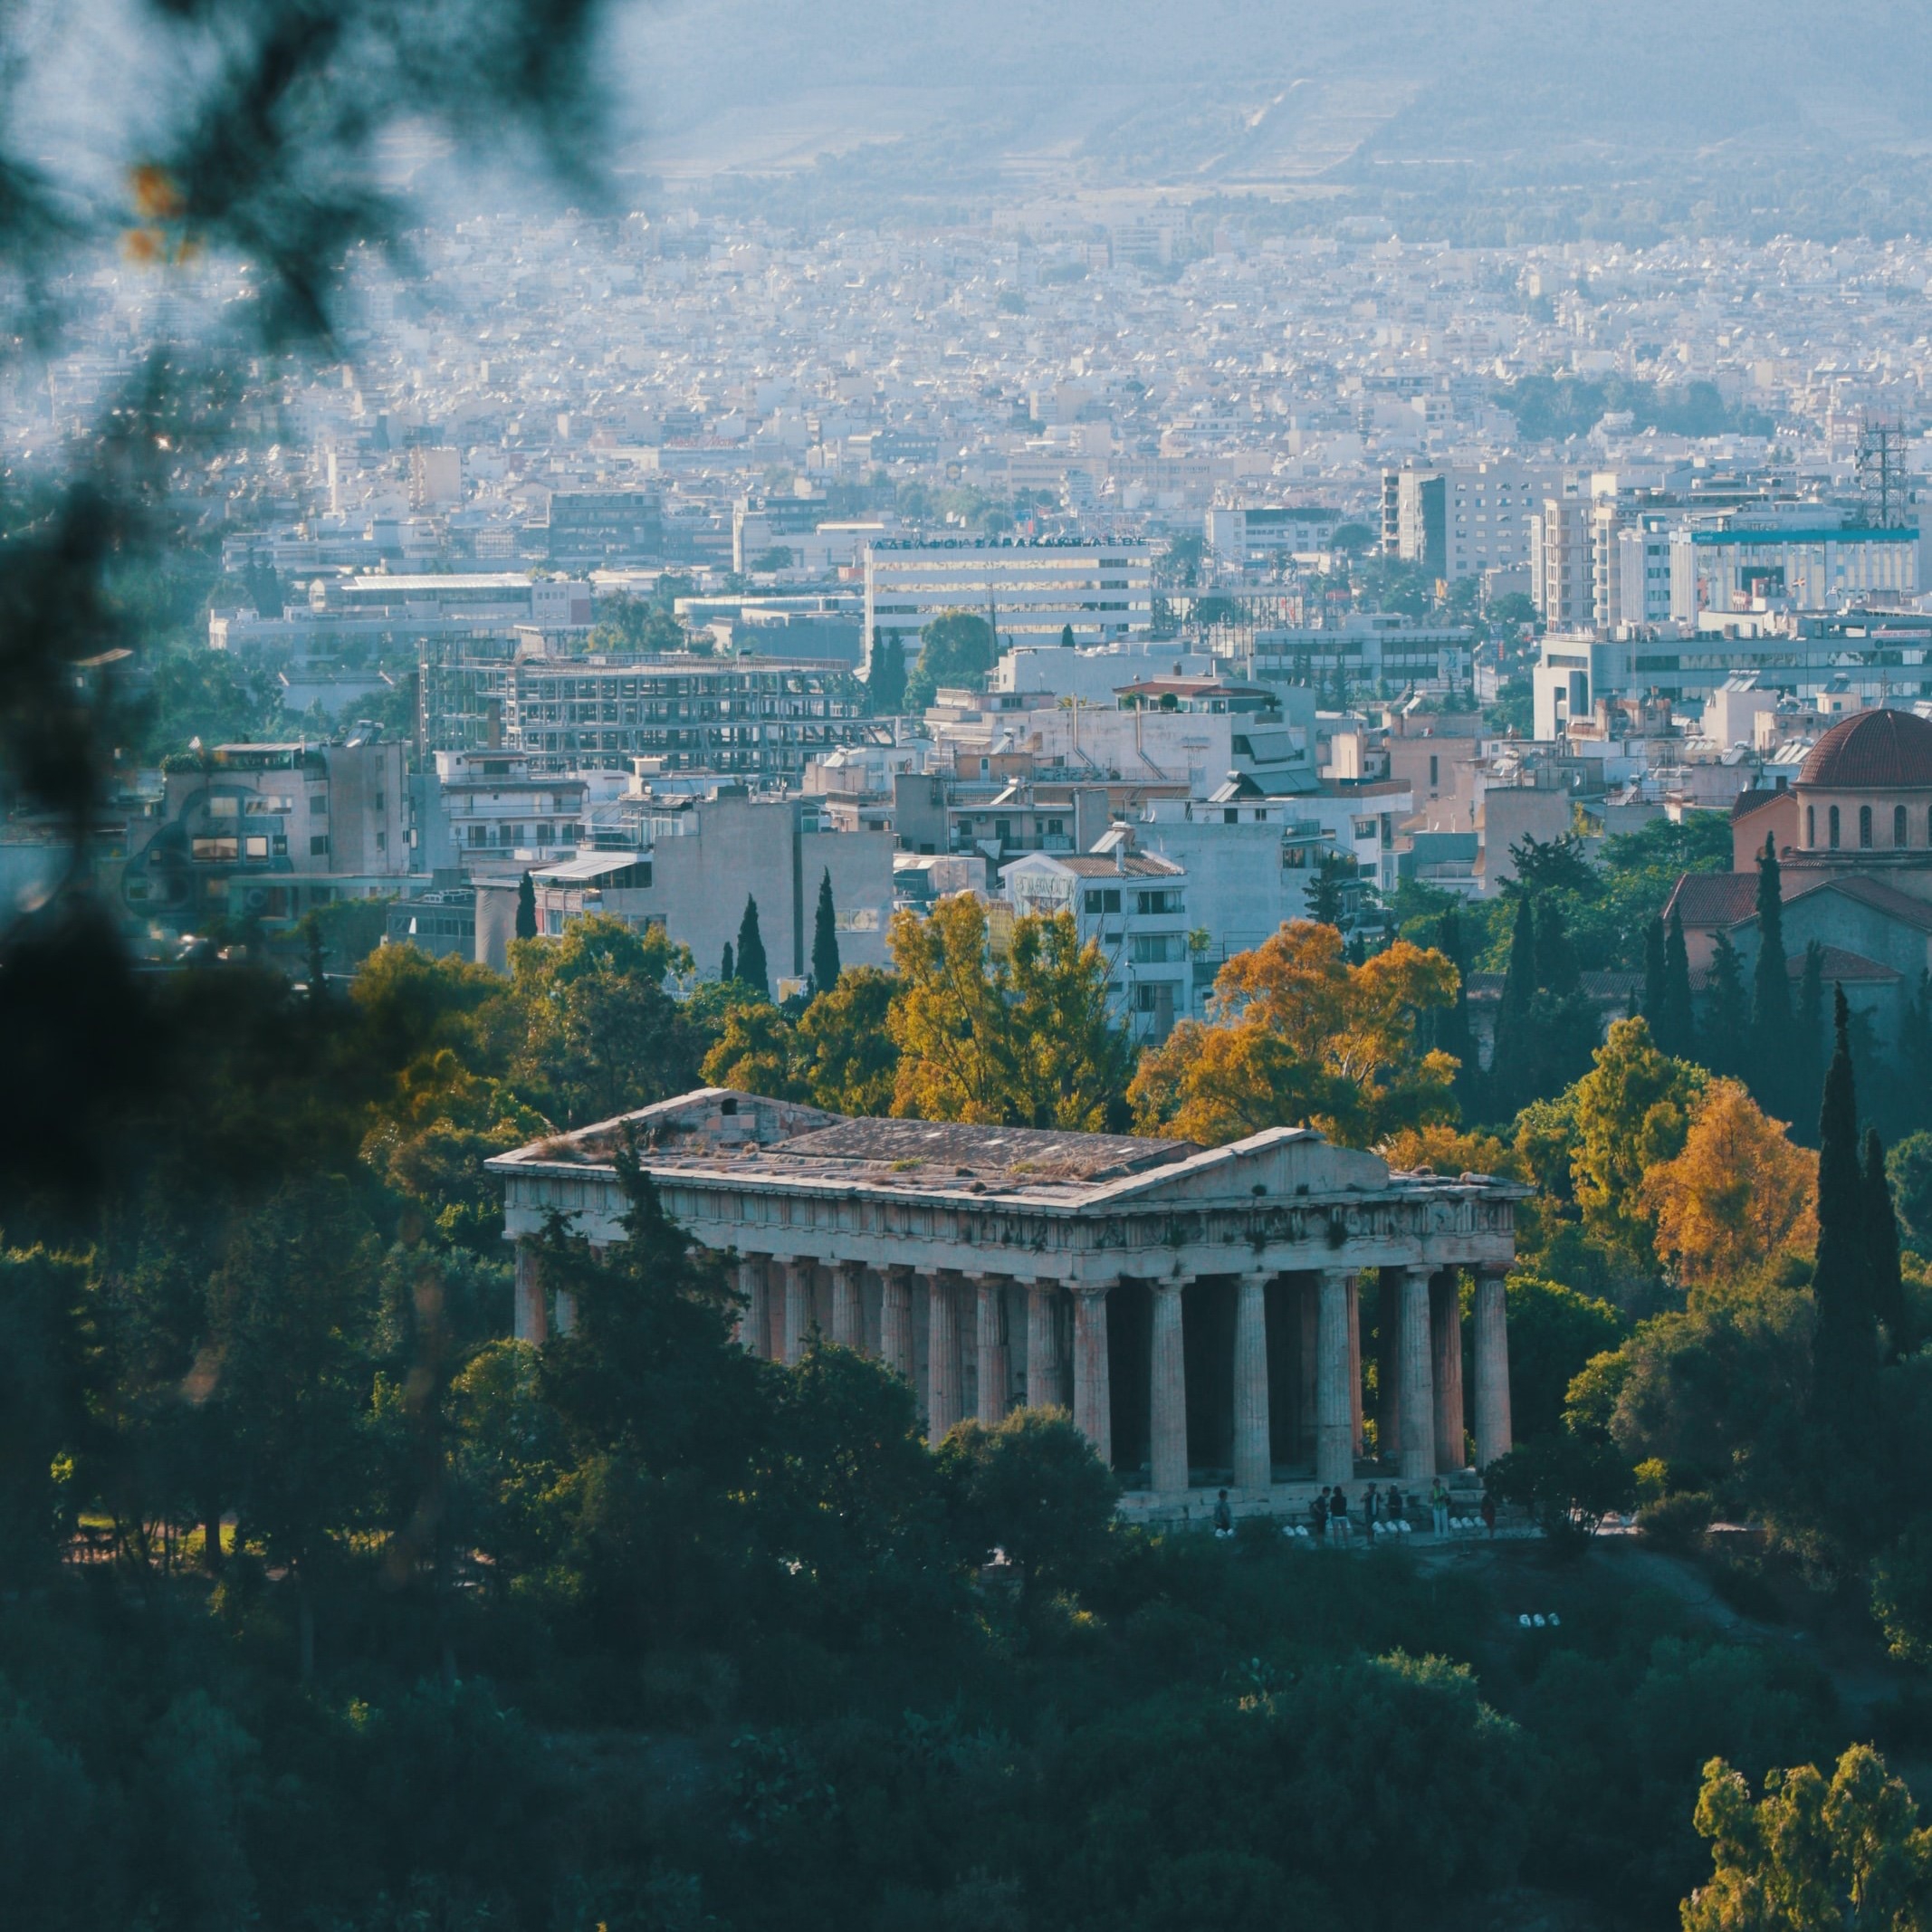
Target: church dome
1872,750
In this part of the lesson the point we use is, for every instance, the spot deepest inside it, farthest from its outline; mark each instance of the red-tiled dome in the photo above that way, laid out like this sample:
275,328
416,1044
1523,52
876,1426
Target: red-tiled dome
1872,750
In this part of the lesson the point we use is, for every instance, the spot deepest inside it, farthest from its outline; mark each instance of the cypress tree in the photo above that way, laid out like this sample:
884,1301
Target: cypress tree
751,968
825,939
1557,969
1519,978
1727,1043
1915,1037
1676,1032
728,967
1842,1331
526,908
1886,1287
1771,989
1653,977
1452,1026
1067,637
1807,1059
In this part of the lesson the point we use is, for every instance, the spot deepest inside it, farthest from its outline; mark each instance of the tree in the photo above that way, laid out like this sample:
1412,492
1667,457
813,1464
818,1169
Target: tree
957,648
727,966
1570,1482
1736,1196
1519,977
1725,1043
1300,1037
1033,1486
1557,969
1844,1342
1771,1016
660,1420
1652,1008
1887,1285
1633,1111
293,1325
853,1060
526,907
1553,1334
1025,1040
1812,1857
1452,1031
758,1052
1807,1054
751,969
601,1035
1908,1167
1067,637
825,939
1324,891
886,681
1677,1034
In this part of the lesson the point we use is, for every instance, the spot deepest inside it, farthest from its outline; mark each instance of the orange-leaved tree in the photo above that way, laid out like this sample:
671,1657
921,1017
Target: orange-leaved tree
1297,1037
1019,1040
1737,1195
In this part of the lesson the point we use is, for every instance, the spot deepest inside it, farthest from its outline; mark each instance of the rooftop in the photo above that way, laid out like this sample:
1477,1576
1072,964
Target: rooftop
1880,749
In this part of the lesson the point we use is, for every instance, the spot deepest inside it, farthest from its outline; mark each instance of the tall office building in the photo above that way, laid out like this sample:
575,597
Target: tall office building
1031,593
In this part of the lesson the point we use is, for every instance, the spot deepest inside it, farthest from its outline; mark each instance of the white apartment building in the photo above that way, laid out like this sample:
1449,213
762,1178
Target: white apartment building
1562,566
1643,573
1031,593
491,813
1253,533
1459,521
1133,906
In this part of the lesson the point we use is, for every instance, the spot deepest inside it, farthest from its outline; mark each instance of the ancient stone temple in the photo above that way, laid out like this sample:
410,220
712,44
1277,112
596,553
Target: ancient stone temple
1196,1308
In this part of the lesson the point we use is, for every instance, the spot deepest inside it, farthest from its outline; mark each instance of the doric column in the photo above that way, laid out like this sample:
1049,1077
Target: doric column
1308,1305
1168,1393
1044,1386
896,1321
797,1318
1418,1462
849,1310
1355,1369
990,1315
532,1320
943,1357
1093,1389
1254,1460
1389,1369
1445,1321
1335,1460
754,1318
1492,1368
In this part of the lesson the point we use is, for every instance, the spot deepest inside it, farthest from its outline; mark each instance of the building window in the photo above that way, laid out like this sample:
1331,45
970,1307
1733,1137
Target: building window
318,844
1834,822
1864,827
1810,827
1899,835
1107,900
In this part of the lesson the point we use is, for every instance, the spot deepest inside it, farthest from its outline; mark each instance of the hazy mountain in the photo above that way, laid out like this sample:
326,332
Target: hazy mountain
1488,98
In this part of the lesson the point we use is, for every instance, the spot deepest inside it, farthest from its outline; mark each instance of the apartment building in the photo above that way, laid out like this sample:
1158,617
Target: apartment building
270,831
757,718
1562,564
1132,905
1806,566
1459,521
692,861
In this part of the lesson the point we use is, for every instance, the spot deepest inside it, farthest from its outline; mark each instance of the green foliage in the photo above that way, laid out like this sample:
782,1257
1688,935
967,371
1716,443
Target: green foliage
1553,1334
1810,1855
886,681
825,939
1569,1482
1908,1167
752,972
956,649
